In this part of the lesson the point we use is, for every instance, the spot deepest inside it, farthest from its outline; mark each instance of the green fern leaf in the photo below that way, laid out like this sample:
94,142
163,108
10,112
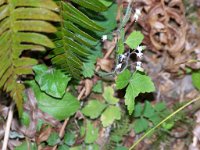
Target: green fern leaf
73,46
22,23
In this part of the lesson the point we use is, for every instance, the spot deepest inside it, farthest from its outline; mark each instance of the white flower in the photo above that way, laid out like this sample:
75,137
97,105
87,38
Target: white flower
122,57
137,14
104,38
118,66
139,51
139,66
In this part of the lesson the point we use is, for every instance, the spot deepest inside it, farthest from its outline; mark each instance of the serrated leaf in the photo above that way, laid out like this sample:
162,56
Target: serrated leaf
98,87
140,125
88,70
155,119
93,109
69,138
91,133
108,95
123,79
53,82
111,114
138,83
138,110
196,79
134,39
58,108
148,110
53,139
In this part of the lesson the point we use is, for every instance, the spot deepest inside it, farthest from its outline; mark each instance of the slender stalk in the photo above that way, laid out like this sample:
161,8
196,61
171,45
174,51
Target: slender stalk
164,120
8,124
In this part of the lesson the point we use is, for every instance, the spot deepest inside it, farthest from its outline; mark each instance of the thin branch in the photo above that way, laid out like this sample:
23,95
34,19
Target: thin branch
8,124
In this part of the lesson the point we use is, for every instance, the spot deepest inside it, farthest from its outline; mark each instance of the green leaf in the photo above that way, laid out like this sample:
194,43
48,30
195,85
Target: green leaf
53,139
93,109
91,133
69,138
138,110
111,114
25,119
107,2
134,39
88,70
108,20
123,79
25,146
155,119
121,148
63,147
140,125
138,83
148,110
196,79
58,108
53,82
98,87
108,95
160,106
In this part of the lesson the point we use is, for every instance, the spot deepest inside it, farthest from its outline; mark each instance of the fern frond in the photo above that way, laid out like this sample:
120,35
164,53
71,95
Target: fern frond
22,23
73,47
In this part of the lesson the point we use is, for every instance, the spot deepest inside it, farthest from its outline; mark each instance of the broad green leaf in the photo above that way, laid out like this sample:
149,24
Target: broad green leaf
148,110
108,95
155,119
138,83
123,79
196,79
98,87
25,146
58,108
69,138
93,109
138,110
88,70
140,125
107,20
121,148
134,39
53,139
107,2
91,133
53,82
111,114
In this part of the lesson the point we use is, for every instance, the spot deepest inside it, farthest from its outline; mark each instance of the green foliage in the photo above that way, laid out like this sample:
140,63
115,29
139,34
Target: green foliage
134,39
25,146
138,83
147,114
21,28
196,79
88,70
98,87
93,109
69,138
53,139
91,133
53,82
58,108
73,43
109,95
110,114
